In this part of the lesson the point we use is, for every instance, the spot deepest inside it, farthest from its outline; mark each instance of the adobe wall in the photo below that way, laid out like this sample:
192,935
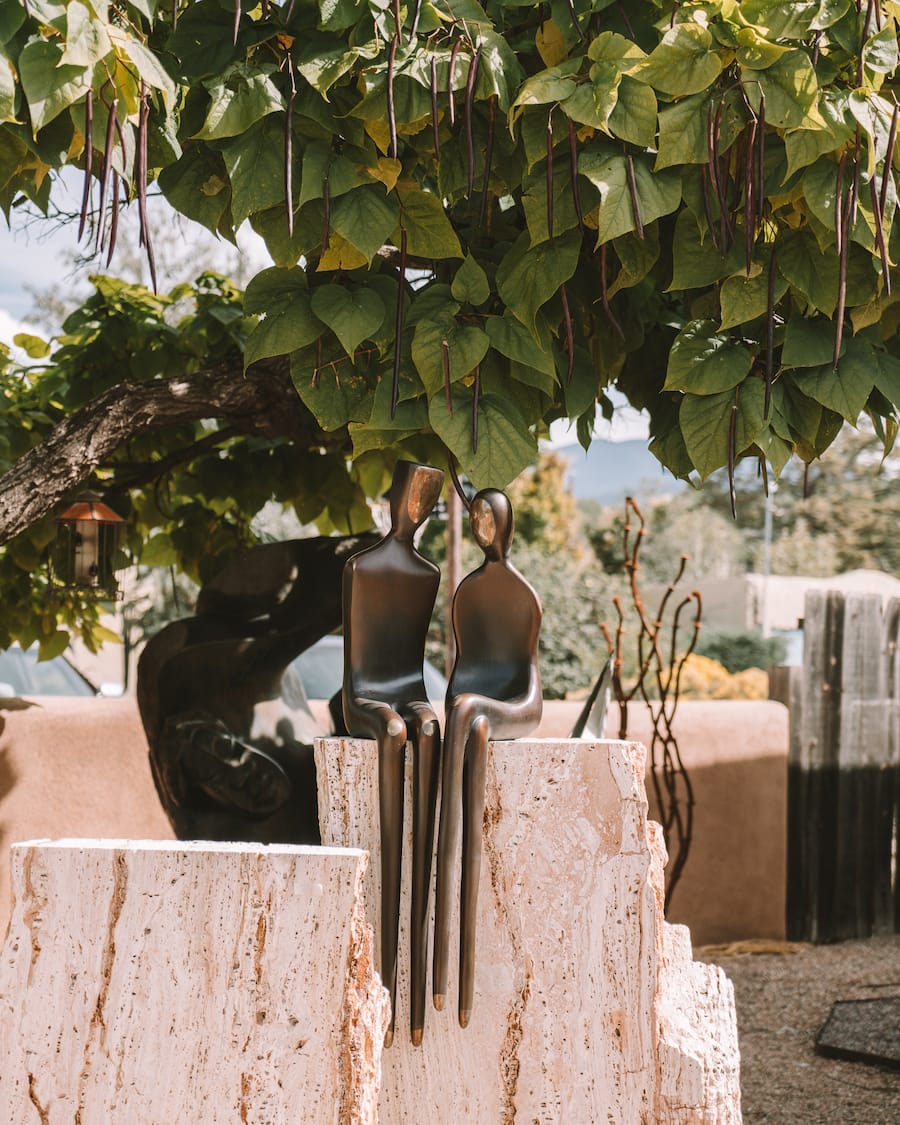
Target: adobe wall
78,768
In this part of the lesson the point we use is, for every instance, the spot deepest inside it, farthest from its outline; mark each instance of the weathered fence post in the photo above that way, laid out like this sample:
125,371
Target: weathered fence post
842,777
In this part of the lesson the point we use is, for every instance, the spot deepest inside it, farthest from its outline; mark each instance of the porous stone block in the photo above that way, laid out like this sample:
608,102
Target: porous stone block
155,982
588,1006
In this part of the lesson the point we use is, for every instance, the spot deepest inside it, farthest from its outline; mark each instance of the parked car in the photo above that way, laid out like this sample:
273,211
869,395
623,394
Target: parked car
321,669
21,673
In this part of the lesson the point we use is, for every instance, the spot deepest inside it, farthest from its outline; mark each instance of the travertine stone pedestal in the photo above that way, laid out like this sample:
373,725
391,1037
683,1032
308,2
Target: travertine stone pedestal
149,983
588,1007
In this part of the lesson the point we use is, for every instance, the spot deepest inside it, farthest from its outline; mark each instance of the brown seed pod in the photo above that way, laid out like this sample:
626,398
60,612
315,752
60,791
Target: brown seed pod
317,369
453,53
879,239
488,159
445,360
289,149
770,329
732,441
326,221
888,161
434,109
88,160
476,398
707,205
113,219
549,142
237,19
573,173
570,338
471,81
105,170
749,198
635,201
392,120
604,295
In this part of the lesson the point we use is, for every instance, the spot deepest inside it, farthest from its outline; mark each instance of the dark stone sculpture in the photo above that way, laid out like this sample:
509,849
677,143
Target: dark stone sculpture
389,594
494,693
229,726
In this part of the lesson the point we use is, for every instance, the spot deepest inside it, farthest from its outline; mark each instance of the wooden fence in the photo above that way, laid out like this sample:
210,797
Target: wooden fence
844,771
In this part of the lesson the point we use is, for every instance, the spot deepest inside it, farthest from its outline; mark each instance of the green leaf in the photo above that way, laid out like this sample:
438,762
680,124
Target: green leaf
365,217
705,422
505,446
755,52
87,41
554,84
527,278
658,193
887,376
32,345
238,101
780,20
467,346
845,390
7,91
429,233
512,339
148,66
880,51
470,283
593,102
353,315
745,298
288,322
197,186
158,550
790,88
255,163
324,60
814,274
683,63
703,361
341,395
808,342
633,118
804,146
610,47
50,85
54,645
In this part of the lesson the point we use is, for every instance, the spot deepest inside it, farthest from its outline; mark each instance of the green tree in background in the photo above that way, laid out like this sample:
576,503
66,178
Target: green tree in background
481,217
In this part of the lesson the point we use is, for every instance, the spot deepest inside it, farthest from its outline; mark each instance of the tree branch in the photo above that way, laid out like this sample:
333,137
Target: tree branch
263,402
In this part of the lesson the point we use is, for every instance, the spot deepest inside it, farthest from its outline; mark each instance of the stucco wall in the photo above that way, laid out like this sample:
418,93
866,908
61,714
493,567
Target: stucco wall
78,767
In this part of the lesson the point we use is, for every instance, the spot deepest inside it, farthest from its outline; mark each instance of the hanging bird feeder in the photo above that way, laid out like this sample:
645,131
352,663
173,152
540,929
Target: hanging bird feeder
87,542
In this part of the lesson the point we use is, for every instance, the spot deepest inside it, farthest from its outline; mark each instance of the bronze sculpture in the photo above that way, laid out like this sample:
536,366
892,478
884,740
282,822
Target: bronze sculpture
227,721
389,594
494,693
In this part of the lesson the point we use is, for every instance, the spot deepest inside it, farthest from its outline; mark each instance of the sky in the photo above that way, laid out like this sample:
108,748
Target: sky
38,254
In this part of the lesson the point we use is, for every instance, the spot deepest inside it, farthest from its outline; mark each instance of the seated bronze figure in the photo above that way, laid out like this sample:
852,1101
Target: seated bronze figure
227,721
494,693
389,594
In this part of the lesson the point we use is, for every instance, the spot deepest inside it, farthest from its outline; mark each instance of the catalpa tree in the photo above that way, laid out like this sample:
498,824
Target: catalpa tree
481,218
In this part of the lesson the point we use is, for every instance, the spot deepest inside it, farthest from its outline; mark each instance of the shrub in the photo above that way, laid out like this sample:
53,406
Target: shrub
739,651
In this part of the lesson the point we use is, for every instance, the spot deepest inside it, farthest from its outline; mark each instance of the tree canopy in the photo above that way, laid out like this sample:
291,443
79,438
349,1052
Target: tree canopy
482,217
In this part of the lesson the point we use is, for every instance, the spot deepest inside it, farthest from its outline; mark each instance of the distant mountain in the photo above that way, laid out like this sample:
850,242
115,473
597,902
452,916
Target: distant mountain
612,470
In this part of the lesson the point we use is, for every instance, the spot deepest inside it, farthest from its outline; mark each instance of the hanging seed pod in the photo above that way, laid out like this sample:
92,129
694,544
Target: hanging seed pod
573,15
434,109
879,238
417,11
888,161
488,159
839,203
476,398
854,190
398,323
549,142
604,295
770,329
88,160
445,360
113,219
764,473
749,198
453,53
573,173
237,20
318,368
398,21
570,338
289,149
105,170
761,156
392,120
806,481
326,221
635,202
842,276
143,118
470,106
707,206
732,442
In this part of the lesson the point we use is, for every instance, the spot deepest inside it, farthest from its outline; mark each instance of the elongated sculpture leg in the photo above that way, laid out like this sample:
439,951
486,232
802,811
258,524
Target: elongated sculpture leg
448,846
473,817
390,806
426,769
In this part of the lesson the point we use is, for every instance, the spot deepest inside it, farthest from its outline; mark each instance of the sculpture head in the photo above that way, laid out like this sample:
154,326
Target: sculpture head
415,490
491,520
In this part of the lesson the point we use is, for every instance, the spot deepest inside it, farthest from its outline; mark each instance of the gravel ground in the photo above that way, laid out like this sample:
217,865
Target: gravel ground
783,997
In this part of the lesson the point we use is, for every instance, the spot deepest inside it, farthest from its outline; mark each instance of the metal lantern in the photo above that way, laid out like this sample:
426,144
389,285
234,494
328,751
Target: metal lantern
88,539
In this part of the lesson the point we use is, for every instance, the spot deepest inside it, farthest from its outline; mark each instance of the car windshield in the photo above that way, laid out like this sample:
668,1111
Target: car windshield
21,673
321,669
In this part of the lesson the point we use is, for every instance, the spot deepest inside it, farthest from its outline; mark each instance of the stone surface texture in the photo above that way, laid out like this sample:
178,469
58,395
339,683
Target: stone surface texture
150,982
588,1007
